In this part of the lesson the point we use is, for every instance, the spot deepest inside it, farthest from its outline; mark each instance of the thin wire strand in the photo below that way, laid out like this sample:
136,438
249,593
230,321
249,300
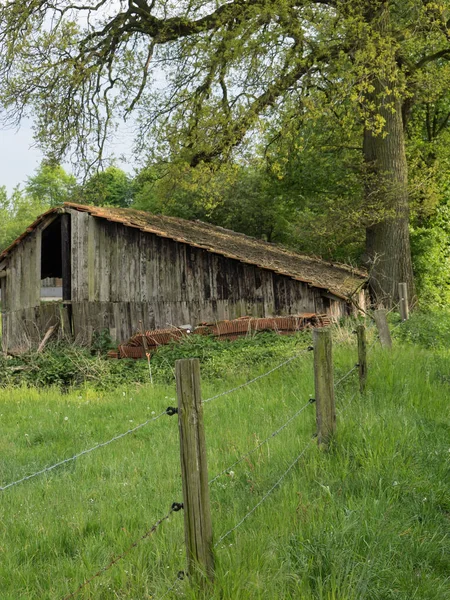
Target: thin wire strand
242,385
172,587
272,435
344,406
124,554
250,512
67,460
345,376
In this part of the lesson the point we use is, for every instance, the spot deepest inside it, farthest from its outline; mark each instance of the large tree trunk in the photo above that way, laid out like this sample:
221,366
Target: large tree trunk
387,242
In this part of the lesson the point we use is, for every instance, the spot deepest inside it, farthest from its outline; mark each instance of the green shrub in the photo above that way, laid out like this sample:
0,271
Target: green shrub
429,329
64,365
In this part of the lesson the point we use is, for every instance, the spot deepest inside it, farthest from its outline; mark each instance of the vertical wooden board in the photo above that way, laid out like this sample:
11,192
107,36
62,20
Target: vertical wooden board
9,282
121,251
174,276
79,266
129,331
144,266
290,296
75,319
152,275
24,254
94,272
158,307
4,289
319,304
191,275
36,290
5,330
135,316
29,272
135,286
280,294
104,262
75,258
18,283
181,269
123,274
148,316
114,261
267,287
123,328
215,281
116,320
169,276
164,273
66,261
123,264
83,241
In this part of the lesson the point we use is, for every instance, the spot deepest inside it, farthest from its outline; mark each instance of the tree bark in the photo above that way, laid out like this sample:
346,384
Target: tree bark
387,242
388,251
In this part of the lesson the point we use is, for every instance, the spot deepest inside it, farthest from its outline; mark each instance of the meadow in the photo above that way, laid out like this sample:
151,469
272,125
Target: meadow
369,518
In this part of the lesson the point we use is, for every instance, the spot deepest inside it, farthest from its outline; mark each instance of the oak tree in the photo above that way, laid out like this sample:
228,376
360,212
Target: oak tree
206,79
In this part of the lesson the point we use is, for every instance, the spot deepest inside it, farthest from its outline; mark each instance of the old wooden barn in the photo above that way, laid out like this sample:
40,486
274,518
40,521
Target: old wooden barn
123,266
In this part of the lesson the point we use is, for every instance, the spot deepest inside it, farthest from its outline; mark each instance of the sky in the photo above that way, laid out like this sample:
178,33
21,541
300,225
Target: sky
18,158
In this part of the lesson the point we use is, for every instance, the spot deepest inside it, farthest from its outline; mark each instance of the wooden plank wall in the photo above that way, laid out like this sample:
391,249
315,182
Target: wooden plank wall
121,276
23,284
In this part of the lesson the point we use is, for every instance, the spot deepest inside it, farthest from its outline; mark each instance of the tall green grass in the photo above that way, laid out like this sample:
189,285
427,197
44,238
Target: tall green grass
370,518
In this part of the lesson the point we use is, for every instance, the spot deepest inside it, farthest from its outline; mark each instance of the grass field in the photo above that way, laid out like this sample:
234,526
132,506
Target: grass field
368,519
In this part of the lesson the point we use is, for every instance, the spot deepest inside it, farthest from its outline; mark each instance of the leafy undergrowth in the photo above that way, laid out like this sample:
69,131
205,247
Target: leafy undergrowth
426,328
370,518
68,366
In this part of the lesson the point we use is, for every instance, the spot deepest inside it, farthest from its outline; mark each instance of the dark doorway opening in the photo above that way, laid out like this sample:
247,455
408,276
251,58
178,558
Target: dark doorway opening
51,262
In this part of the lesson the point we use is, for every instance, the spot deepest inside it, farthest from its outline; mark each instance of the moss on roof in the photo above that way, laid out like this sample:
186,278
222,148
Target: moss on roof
340,280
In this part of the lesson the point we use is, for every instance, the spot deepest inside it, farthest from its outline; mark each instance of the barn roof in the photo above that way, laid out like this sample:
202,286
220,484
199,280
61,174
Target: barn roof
340,280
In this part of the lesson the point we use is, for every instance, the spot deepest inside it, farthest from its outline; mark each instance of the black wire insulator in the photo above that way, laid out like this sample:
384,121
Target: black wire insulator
310,348
181,575
312,400
171,410
176,506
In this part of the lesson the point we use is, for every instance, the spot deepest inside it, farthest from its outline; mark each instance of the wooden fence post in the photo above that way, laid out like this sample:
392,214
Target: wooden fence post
194,472
403,295
323,377
362,356
383,328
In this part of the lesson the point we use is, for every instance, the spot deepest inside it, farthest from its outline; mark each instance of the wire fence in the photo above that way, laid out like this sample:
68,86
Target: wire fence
267,439
264,498
178,506
255,379
82,453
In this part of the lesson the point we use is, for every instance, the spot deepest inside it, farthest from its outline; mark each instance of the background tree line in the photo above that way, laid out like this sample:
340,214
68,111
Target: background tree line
305,190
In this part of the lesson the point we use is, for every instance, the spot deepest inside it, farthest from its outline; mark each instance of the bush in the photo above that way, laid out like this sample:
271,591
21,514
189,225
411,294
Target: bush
430,329
64,365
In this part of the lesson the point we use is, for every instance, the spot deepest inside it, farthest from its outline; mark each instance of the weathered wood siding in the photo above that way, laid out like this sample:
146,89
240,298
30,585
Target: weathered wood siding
121,276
